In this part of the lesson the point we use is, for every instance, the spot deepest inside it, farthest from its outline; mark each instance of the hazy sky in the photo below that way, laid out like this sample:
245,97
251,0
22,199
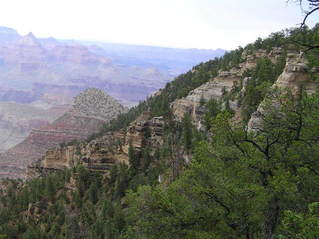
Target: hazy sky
176,23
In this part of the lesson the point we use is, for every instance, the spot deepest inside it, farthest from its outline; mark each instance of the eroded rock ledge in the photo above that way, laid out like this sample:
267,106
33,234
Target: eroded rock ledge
102,153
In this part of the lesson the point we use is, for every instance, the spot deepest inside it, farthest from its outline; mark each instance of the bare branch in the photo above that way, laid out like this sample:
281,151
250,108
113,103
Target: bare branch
307,15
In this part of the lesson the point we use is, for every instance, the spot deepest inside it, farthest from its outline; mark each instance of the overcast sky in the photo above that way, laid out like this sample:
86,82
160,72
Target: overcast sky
175,23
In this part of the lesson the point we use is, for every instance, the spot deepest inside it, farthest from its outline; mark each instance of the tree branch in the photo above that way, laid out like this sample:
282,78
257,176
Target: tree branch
212,196
308,14
308,46
255,145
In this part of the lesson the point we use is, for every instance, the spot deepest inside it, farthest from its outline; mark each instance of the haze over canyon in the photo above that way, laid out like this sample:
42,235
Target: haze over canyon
39,78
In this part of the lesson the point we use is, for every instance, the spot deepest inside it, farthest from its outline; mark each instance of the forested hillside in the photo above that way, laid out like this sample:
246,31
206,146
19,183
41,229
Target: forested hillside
197,165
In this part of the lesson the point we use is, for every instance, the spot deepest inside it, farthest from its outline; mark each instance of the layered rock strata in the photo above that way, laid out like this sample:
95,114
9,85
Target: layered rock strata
76,124
102,153
218,86
296,75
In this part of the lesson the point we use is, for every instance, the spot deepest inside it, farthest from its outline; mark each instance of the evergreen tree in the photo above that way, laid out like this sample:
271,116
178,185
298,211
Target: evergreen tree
239,185
134,159
187,131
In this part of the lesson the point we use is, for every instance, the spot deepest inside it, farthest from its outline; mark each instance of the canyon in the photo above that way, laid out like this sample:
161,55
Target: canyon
113,148
91,109
43,75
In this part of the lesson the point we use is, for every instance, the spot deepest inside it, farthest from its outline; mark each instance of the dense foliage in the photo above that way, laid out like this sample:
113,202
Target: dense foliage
241,184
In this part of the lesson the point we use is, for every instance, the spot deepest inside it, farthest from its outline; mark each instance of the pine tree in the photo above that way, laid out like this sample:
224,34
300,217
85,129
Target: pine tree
187,131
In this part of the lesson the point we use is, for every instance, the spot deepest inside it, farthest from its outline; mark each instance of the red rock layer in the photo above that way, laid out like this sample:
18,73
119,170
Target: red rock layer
68,127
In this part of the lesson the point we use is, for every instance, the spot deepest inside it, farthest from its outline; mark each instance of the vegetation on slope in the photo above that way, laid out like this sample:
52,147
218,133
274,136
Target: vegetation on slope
241,185
238,184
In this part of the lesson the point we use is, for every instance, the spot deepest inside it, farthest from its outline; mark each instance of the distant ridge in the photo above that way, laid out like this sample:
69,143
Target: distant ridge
48,72
92,108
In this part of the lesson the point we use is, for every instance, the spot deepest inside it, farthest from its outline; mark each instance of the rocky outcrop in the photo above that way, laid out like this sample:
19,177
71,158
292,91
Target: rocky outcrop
76,124
102,153
218,86
296,74
97,155
213,89
144,128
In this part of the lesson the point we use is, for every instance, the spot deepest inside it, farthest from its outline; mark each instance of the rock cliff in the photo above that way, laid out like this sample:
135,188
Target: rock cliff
218,86
295,75
101,153
76,124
